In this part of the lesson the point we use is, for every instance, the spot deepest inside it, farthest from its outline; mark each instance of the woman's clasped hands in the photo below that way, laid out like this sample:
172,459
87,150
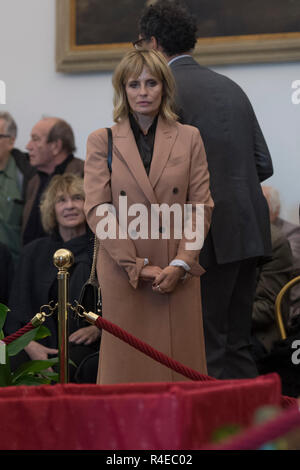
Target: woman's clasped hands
164,280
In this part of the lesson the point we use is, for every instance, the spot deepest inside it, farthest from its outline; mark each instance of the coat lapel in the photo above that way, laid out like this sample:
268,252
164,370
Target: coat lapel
125,145
164,141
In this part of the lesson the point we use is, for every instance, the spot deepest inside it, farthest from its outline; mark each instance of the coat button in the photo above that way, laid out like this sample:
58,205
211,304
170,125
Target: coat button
175,190
123,193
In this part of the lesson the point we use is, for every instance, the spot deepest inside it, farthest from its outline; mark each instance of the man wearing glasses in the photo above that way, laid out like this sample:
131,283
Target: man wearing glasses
238,160
14,172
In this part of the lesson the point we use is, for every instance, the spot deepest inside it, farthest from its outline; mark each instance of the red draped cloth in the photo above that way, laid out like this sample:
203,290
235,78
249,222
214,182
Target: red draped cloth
154,416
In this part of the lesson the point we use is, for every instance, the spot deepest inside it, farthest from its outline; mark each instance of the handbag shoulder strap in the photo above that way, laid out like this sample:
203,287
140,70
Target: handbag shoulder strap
93,276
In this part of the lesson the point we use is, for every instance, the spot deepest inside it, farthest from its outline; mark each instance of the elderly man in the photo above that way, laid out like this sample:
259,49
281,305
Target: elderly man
50,148
14,173
271,278
238,159
292,233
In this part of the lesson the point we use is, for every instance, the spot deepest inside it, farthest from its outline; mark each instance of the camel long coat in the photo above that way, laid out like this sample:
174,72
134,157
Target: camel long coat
171,323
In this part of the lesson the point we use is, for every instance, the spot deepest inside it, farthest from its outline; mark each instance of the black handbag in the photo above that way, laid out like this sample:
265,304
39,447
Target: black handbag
90,295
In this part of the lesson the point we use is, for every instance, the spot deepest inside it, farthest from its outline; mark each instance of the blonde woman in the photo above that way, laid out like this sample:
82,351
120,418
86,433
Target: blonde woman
150,282
35,282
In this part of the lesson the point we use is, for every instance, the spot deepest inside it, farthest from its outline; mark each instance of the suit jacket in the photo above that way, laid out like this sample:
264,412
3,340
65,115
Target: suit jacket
238,160
170,323
32,186
11,220
25,170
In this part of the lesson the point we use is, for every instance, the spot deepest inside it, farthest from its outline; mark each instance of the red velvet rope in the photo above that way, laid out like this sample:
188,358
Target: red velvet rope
18,334
149,351
252,439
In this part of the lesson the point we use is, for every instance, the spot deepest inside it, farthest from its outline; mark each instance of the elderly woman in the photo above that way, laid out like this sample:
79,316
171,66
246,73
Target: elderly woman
35,282
149,278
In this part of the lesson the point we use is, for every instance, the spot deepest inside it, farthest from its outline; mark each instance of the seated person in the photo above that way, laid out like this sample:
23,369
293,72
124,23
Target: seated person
271,277
292,233
35,283
50,149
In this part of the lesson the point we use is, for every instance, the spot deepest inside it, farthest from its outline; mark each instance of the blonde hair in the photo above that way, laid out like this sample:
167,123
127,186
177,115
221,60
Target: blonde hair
67,183
132,65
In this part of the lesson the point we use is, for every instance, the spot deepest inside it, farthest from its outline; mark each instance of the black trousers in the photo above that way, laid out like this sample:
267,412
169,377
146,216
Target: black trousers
227,298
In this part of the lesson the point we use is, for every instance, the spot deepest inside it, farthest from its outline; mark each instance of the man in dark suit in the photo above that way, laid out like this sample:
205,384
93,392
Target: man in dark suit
238,159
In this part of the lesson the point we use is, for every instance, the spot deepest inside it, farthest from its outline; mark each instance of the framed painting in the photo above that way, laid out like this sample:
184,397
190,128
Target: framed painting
94,35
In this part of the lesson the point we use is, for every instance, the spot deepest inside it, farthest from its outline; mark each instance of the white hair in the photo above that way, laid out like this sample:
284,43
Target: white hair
273,198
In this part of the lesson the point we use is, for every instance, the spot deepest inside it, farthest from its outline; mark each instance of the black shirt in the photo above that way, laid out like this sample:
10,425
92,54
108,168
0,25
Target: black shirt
144,142
34,228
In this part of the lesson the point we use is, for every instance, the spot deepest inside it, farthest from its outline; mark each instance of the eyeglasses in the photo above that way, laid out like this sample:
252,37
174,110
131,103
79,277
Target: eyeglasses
3,136
138,44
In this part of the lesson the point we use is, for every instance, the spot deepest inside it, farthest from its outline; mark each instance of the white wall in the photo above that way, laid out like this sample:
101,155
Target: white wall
33,88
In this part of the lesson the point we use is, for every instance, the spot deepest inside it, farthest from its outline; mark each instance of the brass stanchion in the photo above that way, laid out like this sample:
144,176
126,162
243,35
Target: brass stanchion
63,260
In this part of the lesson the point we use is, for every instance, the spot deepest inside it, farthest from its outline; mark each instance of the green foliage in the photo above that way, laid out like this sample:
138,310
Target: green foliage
225,432
20,376
18,344
31,372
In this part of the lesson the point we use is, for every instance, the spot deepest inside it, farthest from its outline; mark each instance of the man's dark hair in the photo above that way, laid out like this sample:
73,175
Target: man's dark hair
174,28
61,130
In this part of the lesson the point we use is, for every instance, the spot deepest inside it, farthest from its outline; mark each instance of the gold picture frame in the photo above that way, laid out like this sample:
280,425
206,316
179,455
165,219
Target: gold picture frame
72,58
